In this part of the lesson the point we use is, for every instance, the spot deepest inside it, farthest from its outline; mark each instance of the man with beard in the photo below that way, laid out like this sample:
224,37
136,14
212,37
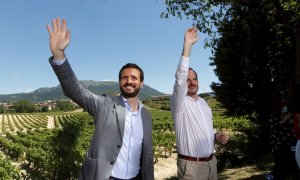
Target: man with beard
192,116
121,146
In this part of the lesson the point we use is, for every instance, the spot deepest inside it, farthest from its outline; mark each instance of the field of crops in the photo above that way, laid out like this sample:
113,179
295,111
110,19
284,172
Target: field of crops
53,145
49,146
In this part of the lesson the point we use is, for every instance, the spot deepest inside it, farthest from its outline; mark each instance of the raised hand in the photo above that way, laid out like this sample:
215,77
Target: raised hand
190,38
59,38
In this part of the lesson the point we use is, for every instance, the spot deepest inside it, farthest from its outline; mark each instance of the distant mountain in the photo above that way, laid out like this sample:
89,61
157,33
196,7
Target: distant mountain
56,93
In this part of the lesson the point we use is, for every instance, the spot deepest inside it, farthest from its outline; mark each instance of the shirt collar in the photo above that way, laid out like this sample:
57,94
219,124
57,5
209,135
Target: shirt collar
193,99
140,105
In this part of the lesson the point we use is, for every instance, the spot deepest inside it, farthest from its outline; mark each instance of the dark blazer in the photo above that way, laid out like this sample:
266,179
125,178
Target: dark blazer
109,118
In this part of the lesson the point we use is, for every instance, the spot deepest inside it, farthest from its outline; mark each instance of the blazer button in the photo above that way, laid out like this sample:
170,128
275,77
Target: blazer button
111,163
118,146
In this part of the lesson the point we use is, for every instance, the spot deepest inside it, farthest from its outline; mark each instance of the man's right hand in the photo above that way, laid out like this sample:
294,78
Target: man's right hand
59,38
190,38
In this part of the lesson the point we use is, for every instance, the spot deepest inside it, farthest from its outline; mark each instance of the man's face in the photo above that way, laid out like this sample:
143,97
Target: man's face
192,83
130,82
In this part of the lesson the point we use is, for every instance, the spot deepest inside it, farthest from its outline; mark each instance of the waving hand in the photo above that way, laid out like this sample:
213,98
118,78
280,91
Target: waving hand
190,38
59,38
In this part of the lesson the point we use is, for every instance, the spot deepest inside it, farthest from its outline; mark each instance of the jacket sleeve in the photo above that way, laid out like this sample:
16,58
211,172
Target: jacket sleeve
73,89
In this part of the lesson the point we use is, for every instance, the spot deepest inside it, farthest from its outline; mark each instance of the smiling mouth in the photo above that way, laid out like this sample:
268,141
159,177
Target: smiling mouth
128,88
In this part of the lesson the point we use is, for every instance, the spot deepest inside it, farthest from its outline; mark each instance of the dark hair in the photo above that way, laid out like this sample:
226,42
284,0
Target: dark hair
132,65
191,69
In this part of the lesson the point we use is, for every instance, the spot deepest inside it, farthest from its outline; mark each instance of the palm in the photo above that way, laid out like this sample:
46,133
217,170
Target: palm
59,38
191,35
58,41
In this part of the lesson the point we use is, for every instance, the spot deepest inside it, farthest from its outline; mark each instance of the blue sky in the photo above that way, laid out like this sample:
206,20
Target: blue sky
105,35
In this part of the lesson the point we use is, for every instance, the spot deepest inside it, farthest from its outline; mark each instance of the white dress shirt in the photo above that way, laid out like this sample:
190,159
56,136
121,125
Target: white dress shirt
127,164
192,117
58,62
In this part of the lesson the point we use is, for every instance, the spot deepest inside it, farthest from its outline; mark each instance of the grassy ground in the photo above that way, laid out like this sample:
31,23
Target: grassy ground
251,172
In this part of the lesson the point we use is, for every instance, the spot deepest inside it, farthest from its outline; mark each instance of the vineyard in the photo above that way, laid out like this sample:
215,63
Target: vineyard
42,144
53,146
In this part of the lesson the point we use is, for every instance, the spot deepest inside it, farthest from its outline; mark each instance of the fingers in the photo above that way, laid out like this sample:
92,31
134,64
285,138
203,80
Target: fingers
57,22
192,31
54,25
49,29
223,138
192,34
59,37
57,27
223,141
64,25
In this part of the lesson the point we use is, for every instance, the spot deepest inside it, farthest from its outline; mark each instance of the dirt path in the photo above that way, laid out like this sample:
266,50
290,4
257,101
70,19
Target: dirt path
77,110
5,124
165,167
18,122
12,122
1,117
50,124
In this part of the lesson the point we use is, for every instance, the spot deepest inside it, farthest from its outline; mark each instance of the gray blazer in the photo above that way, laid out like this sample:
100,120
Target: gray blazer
109,118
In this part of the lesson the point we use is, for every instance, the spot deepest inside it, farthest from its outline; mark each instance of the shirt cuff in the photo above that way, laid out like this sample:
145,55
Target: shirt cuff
58,62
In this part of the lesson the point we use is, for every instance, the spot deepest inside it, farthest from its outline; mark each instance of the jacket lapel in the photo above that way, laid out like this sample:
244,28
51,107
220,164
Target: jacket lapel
121,113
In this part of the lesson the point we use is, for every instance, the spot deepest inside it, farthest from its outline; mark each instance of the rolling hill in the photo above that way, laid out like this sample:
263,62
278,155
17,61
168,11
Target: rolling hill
56,93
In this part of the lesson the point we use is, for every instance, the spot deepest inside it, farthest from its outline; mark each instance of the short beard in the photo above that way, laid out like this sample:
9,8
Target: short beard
129,95
192,93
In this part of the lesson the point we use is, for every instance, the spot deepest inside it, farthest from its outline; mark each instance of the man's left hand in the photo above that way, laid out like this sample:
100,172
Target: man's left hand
222,137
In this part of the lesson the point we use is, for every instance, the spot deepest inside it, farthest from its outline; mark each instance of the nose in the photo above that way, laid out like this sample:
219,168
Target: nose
129,80
192,82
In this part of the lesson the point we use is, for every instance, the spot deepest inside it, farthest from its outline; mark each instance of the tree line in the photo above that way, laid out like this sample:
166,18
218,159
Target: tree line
25,106
255,51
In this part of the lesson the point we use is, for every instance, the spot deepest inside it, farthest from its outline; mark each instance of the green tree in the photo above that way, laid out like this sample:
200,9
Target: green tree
254,48
2,109
252,59
205,14
25,106
256,51
65,105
